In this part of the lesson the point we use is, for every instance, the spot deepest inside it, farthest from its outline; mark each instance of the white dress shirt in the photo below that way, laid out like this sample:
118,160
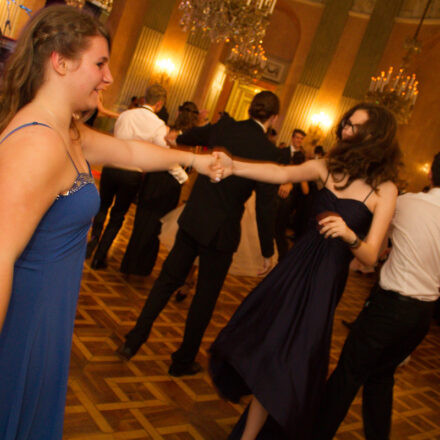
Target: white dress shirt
143,124
413,267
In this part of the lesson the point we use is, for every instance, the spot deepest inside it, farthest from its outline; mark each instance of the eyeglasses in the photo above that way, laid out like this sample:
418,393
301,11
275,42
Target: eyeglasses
348,123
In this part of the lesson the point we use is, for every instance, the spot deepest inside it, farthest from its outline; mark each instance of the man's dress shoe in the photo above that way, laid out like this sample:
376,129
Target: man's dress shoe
187,370
125,352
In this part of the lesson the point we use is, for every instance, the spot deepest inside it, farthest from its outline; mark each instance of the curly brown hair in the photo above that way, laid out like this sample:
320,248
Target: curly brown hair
372,154
187,117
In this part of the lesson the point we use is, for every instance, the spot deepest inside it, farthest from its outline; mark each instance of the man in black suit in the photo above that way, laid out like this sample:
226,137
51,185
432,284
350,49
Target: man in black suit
285,193
209,227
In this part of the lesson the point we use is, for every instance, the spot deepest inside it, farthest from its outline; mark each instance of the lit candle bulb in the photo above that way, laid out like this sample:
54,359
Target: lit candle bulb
390,71
272,7
414,98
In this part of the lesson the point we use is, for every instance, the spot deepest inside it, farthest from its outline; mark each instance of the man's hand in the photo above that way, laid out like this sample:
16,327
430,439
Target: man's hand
203,118
285,189
171,137
267,266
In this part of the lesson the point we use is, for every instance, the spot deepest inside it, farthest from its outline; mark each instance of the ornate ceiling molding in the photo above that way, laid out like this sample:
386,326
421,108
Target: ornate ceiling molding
411,9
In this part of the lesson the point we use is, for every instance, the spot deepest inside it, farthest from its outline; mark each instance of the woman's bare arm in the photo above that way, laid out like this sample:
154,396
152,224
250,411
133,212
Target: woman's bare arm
105,111
32,173
271,172
100,148
369,248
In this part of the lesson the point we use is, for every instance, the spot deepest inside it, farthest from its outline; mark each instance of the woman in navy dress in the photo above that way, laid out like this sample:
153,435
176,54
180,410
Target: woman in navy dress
47,200
276,346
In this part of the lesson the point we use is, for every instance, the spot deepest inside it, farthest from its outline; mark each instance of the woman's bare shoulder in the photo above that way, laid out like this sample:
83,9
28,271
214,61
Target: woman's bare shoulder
32,145
321,167
387,189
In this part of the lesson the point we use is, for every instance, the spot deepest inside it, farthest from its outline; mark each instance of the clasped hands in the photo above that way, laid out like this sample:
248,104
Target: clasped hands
217,166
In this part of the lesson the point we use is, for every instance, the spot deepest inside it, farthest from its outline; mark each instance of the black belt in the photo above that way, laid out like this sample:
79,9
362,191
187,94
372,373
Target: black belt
397,295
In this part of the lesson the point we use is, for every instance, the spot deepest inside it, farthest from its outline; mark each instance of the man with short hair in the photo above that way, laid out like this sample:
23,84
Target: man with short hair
394,319
122,185
209,227
159,192
285,195
142,123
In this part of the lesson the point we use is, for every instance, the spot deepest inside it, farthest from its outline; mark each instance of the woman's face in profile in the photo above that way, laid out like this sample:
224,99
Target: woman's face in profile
351,126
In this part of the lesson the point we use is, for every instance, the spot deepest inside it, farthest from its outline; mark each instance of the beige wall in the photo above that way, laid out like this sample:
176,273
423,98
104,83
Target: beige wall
289,38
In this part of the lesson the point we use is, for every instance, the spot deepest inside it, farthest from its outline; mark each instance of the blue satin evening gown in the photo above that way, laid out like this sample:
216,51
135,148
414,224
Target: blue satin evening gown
36,338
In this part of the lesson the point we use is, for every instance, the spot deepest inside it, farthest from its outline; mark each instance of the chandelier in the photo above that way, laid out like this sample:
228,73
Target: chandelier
103,4
241,22
246,62
75,3
399,93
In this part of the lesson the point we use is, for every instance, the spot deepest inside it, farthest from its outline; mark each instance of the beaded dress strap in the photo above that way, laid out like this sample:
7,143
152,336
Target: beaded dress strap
23,126
328,175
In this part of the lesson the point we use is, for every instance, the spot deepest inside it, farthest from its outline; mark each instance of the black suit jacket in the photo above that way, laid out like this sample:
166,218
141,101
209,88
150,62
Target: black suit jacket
213,211
286,156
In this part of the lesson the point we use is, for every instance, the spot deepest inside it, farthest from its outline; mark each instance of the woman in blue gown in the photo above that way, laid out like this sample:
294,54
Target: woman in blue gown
276,346
47,200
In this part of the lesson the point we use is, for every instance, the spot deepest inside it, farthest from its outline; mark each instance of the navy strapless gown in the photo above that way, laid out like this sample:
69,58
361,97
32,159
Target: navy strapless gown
276,346
36,338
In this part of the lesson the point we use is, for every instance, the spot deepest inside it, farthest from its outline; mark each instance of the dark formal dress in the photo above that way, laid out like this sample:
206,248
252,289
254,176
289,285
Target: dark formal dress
36,337
276,345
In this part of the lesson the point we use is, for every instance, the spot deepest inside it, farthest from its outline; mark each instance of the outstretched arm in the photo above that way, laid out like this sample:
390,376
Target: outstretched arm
100,148
105,111
270,172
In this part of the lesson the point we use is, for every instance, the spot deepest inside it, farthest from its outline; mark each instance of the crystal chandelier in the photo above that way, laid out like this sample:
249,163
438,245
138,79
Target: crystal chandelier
103,4
246,62
75,3
399,93
241,22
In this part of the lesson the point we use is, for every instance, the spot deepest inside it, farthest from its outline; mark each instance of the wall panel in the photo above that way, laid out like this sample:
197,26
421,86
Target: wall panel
141,66
183,87
298,114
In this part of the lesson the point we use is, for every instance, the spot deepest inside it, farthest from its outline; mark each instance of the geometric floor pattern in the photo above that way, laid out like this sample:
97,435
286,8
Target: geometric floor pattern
109,399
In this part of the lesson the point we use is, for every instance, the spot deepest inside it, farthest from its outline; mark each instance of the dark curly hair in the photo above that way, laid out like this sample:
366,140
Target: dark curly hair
187,117
372,154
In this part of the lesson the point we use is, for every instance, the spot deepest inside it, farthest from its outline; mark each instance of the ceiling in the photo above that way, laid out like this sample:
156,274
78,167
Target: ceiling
410,8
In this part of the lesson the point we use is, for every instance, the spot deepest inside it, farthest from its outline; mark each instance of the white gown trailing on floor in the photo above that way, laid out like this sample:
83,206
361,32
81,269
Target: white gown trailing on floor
248,260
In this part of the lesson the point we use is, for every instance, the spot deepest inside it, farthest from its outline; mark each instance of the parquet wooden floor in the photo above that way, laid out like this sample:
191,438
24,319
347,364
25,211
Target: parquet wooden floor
109,399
